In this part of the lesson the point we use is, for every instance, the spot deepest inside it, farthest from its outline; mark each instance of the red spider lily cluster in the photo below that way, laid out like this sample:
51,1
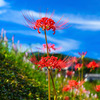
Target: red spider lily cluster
98,88
74,61
71,61
71,85
51,62
92,65
66,88
45,23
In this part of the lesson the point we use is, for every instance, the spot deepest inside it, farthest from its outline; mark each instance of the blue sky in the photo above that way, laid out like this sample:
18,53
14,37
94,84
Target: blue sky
83,16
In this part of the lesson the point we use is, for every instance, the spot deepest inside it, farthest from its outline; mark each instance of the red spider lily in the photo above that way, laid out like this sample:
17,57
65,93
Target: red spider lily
66,98
45,23
66,88
84,91
71,61
78,66
73,83
70,73
81,83
93,65
74,59
33,60
98,88
44,62
52,62
50,46
98,64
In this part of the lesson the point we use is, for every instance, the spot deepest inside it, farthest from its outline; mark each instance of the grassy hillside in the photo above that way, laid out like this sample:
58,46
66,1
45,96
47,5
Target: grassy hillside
18,81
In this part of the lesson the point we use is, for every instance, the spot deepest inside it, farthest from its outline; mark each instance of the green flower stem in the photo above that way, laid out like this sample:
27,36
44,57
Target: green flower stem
55,96
82,68
72,72
80,81
48,68
50,74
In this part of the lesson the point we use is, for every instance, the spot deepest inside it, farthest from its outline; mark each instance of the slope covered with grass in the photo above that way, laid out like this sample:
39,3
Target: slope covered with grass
18,81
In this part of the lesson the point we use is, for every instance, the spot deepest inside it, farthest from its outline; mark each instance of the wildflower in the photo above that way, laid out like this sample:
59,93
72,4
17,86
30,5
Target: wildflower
82,54
5,37
58,75
13,39
18,42
33,67
98,88
93,65
95,96
87,95
45,23
92,94
15,48
2,31
26,54
66,76
78,66
20,46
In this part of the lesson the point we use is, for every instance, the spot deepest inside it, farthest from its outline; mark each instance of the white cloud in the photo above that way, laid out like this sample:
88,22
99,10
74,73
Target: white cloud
88,27
75,54
3,3
66,44
80,22
3,11
30,48
13,16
